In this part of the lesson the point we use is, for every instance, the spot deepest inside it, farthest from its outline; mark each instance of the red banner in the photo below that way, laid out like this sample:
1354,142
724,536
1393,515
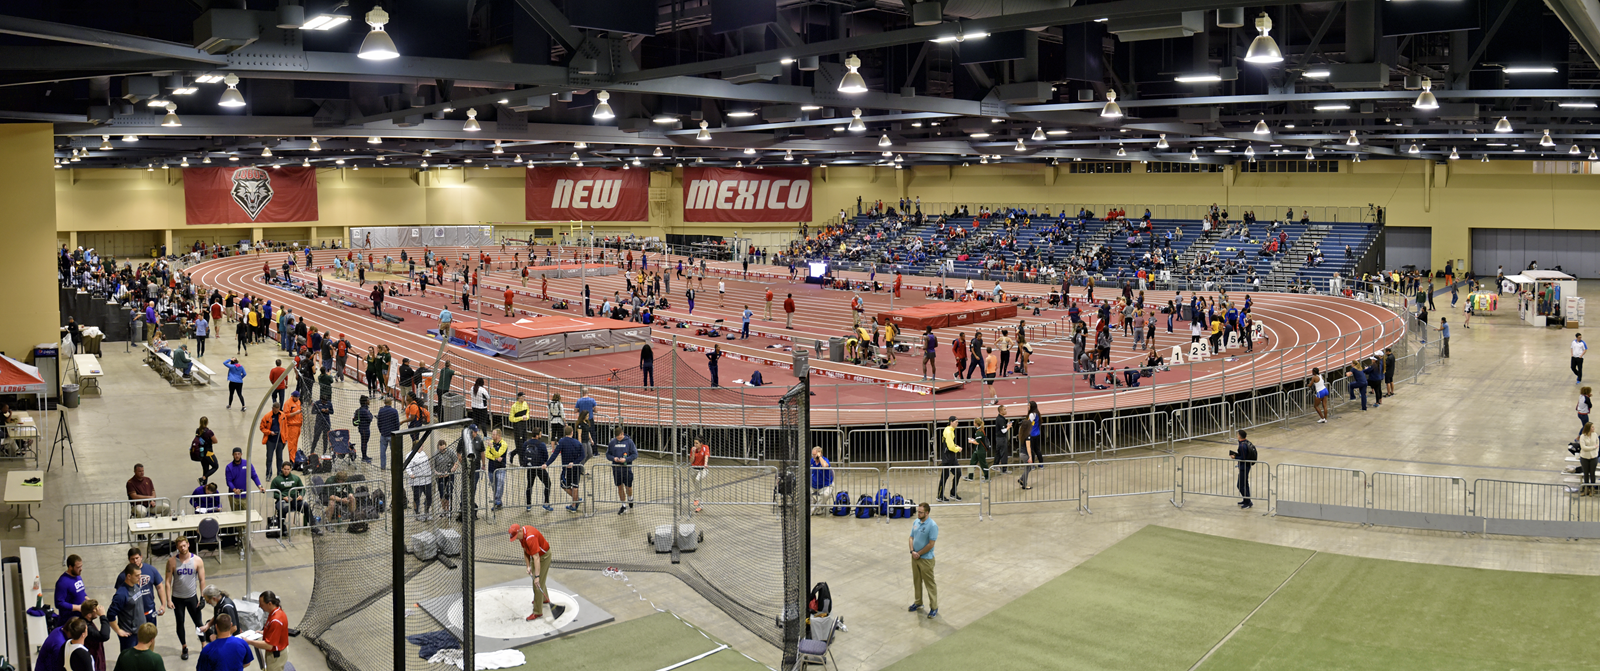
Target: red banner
248,194
720,194
588,194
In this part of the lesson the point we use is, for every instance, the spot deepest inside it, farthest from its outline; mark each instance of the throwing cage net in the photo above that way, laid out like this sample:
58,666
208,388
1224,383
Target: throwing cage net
736,534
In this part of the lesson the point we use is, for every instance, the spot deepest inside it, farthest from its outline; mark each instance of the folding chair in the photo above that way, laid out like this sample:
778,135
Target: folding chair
815,650
209,536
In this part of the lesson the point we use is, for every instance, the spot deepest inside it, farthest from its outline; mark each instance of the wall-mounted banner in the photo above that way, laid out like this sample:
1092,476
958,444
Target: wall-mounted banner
249,194
588,194
720,194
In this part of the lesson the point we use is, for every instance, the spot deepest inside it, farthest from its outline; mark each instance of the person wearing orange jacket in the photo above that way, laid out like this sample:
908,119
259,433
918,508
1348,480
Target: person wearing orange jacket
509,297
272,426
292,418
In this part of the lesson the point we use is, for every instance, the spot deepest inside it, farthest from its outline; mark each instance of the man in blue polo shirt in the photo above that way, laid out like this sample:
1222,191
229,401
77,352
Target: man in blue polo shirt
585,407
924,535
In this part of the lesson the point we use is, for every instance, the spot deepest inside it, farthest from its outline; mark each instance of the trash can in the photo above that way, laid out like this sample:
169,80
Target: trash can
69,395
91,344
836,349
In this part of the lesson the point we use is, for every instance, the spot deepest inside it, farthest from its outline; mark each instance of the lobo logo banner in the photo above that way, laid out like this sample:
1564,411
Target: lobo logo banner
719,194
249,195
588,194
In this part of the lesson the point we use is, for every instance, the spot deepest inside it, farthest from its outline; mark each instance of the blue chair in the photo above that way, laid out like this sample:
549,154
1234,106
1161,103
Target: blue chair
340,440
209,536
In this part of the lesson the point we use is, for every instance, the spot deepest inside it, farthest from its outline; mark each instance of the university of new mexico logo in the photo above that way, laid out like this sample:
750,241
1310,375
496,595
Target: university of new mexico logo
252,190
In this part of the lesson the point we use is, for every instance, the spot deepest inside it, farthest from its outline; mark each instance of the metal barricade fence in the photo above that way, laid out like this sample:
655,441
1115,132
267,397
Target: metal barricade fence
923,484
893,445
1528,509
1080,436
1200,421
831,441
1321,493
1219,476
1422,502
1152,429
726,485
99,523
1129,477
847,480
318,507
1257,411
1054,482
200,504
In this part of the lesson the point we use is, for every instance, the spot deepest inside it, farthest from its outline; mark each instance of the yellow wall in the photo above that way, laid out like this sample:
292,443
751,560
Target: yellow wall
1450,199
29,277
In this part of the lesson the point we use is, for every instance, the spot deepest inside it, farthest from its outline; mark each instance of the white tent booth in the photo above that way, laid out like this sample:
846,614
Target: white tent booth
1547,297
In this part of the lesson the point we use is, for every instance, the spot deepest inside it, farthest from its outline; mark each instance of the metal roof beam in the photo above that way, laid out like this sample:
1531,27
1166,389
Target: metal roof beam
61,32
554,22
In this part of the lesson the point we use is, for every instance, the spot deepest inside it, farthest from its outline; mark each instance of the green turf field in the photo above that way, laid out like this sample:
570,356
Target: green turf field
646,644
1163,599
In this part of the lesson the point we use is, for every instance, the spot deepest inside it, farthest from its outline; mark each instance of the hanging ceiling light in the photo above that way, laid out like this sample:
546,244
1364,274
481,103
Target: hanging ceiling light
497,148
1250,150
374,140
1413,149
856,125
381,158
739,164
1263,49
378,46
788,154
519,158
340,161
898,158
984,159
887,153
1574,151
1309,155
1162,143
603,109
304,162
1112,110
884,140
105,143
1352,142
1357,159
749,150
1121,151
1020,146
150,167
357,167
75,157
1546,141
206,159
1593,156
266,152
231,97
427,153
636,162
1454,154
1194,154
852,81
1038,134
1485,158
472,121
314,145
705,132
184,163
1503,125
573,157
424,164
1425,100
807,161
1261,128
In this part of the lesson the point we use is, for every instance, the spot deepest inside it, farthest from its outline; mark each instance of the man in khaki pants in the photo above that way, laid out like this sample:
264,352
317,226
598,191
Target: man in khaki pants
924,534
536,552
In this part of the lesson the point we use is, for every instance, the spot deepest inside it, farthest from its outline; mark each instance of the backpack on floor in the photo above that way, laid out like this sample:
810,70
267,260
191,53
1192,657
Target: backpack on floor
866,508
882,502
841,504
897,504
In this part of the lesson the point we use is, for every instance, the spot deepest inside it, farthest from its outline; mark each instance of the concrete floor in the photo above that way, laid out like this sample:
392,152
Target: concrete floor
1501,408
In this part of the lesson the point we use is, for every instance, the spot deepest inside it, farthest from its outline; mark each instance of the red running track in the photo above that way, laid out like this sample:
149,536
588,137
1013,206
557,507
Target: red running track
1304,331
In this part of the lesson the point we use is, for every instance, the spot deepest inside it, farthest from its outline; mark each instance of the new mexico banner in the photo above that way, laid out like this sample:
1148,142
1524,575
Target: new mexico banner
248,194
721,194
588,194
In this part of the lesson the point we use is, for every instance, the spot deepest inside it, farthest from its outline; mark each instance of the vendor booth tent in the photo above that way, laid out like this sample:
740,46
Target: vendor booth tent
20,379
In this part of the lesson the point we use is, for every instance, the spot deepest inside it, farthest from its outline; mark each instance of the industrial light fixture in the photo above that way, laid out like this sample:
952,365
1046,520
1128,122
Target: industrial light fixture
699,159
184,163
1331,107
231,97
1224,150
1038,134
1197,78
665,119
156,101
1357,159
786,60
424,164
1577,105
1261,128
206,159
738,164
497,148
636,162
1194,154
266,152
1121,151
856,124
150,167
573,157
1250,150
427,153
1455,155
749,150
1530,69
1503,125
1112,110
305,162
788,154
1352,141
805,161
467,160
1593,156
105,143
742,114
1315,74
472,121
1263,49
314,145
603,109
233,157
1546,141
519,158
325,21
1020,146
378,46
979,135
75,157
887,153
852,81
705,133
208,78
898,158
1485,158
1162,142
959,37
883,141
340,161
1309,155
130,138
357,167
1574,151
374,140
984,159
1425,100
448,108
1413,149
810,108
656,153
382,158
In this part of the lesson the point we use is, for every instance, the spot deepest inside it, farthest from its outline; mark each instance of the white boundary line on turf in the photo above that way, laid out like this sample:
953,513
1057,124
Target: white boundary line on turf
695,658
1258,607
